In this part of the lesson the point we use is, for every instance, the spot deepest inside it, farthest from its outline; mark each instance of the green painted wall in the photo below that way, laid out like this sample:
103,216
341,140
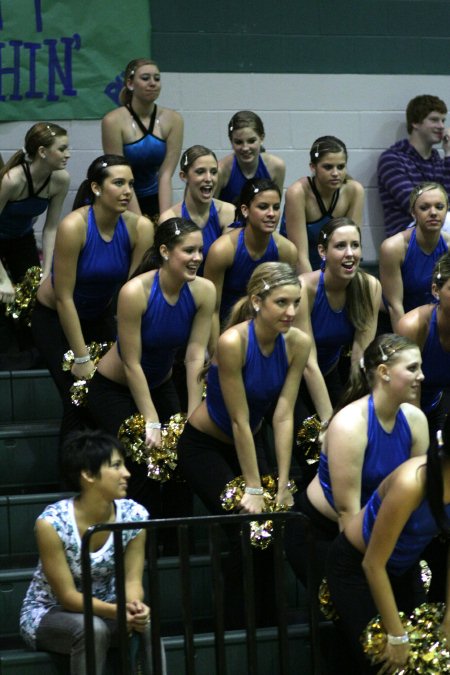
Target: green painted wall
302,36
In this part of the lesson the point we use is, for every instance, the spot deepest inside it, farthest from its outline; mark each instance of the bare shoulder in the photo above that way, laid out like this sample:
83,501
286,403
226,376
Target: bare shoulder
135,291
298,188
273,162
310,280
117,116
353,187
415,416
233,342
226,212
59,180
169,118
297,339
203,290
352,420
173,212
286,249
395,246
226,163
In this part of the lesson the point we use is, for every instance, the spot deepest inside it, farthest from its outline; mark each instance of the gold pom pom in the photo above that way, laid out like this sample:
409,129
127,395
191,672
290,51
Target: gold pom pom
308,439
21,308
234,490
79,389
325,603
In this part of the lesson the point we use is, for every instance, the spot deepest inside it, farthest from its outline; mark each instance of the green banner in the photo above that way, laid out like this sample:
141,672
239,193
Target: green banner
65,59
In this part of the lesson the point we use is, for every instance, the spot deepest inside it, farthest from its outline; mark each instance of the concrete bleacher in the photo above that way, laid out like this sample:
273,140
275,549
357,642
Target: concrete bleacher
29,428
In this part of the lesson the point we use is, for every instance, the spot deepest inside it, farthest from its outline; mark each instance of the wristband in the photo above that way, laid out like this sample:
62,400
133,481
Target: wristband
254,491
396,640
81,359
153,425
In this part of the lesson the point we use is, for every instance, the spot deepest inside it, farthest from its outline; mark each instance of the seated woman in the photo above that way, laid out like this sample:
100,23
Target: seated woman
149,137
97,245
407,258
376,427
312,201
374,564
233,257
257,365
249,160
199,171
165,307
340,310
52,613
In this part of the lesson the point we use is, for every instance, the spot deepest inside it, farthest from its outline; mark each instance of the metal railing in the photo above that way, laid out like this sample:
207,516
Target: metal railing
215,526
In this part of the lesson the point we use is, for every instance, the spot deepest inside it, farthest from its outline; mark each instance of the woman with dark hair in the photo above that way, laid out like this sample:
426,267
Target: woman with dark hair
150,137
312,201
165,307
374,564
52,613
408,257
96,248
199,172
249,160
233,257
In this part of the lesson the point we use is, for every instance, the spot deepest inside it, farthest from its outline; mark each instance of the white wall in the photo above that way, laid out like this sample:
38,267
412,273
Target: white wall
365,111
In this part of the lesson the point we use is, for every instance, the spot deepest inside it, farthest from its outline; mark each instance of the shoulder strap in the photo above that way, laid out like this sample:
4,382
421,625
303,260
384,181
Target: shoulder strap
321,205
138,120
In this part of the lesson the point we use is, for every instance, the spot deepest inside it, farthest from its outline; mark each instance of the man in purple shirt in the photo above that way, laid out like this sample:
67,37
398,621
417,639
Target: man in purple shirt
414,160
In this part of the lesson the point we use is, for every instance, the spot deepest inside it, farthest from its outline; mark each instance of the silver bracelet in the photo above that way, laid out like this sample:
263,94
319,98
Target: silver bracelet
153,425
254,491
398,639
82,359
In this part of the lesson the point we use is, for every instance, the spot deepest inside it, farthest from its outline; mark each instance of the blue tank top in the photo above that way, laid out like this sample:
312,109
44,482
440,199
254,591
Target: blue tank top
237,276
237,180
331,328
435,367
384,452
145,156
103,266
165,328
419,530
417,271
211,231
18,217
263,377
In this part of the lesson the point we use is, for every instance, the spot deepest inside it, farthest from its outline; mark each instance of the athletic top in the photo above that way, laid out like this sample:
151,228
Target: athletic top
263,377
313,228
331,328
435,367
145,156
419,530
165,328
417,272
103,266
237,180
40,598
18,217
210,231
237,276
384,452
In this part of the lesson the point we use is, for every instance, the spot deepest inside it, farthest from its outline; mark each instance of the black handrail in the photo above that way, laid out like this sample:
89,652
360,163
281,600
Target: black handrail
214,525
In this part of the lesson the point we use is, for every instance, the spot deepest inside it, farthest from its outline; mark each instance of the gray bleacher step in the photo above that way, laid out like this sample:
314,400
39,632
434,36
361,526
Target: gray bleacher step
34,396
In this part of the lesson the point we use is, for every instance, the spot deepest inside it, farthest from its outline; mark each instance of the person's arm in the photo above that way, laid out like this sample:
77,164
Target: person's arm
295,211
174,141
132,303
391,259
205,297
219,258
8,192
402,496
61,181
418,424
223,176
226,213
363,338
286,250
394,175
299,346
356,205
70,238
277,170
445,625
415,325
134,591
346,442
143,240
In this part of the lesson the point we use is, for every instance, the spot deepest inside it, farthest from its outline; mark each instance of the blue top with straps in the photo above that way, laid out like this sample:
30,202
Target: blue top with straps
237,276
18,217
211,231
417,271
435,367
145,156
419,530
263,378
237,180
331,328
384,452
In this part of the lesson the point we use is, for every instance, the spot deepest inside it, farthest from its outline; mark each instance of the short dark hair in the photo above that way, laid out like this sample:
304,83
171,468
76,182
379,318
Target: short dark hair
419,107
86,450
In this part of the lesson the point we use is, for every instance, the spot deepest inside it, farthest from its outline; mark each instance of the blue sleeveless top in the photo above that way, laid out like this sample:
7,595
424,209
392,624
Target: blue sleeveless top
165,328
103,266
263,377
331,328
211,231
419,530
18,217
237,180
417,271
145,156
237,276
384,452
435,367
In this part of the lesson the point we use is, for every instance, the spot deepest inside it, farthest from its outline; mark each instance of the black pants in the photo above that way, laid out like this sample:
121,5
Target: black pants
110,404
52,344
